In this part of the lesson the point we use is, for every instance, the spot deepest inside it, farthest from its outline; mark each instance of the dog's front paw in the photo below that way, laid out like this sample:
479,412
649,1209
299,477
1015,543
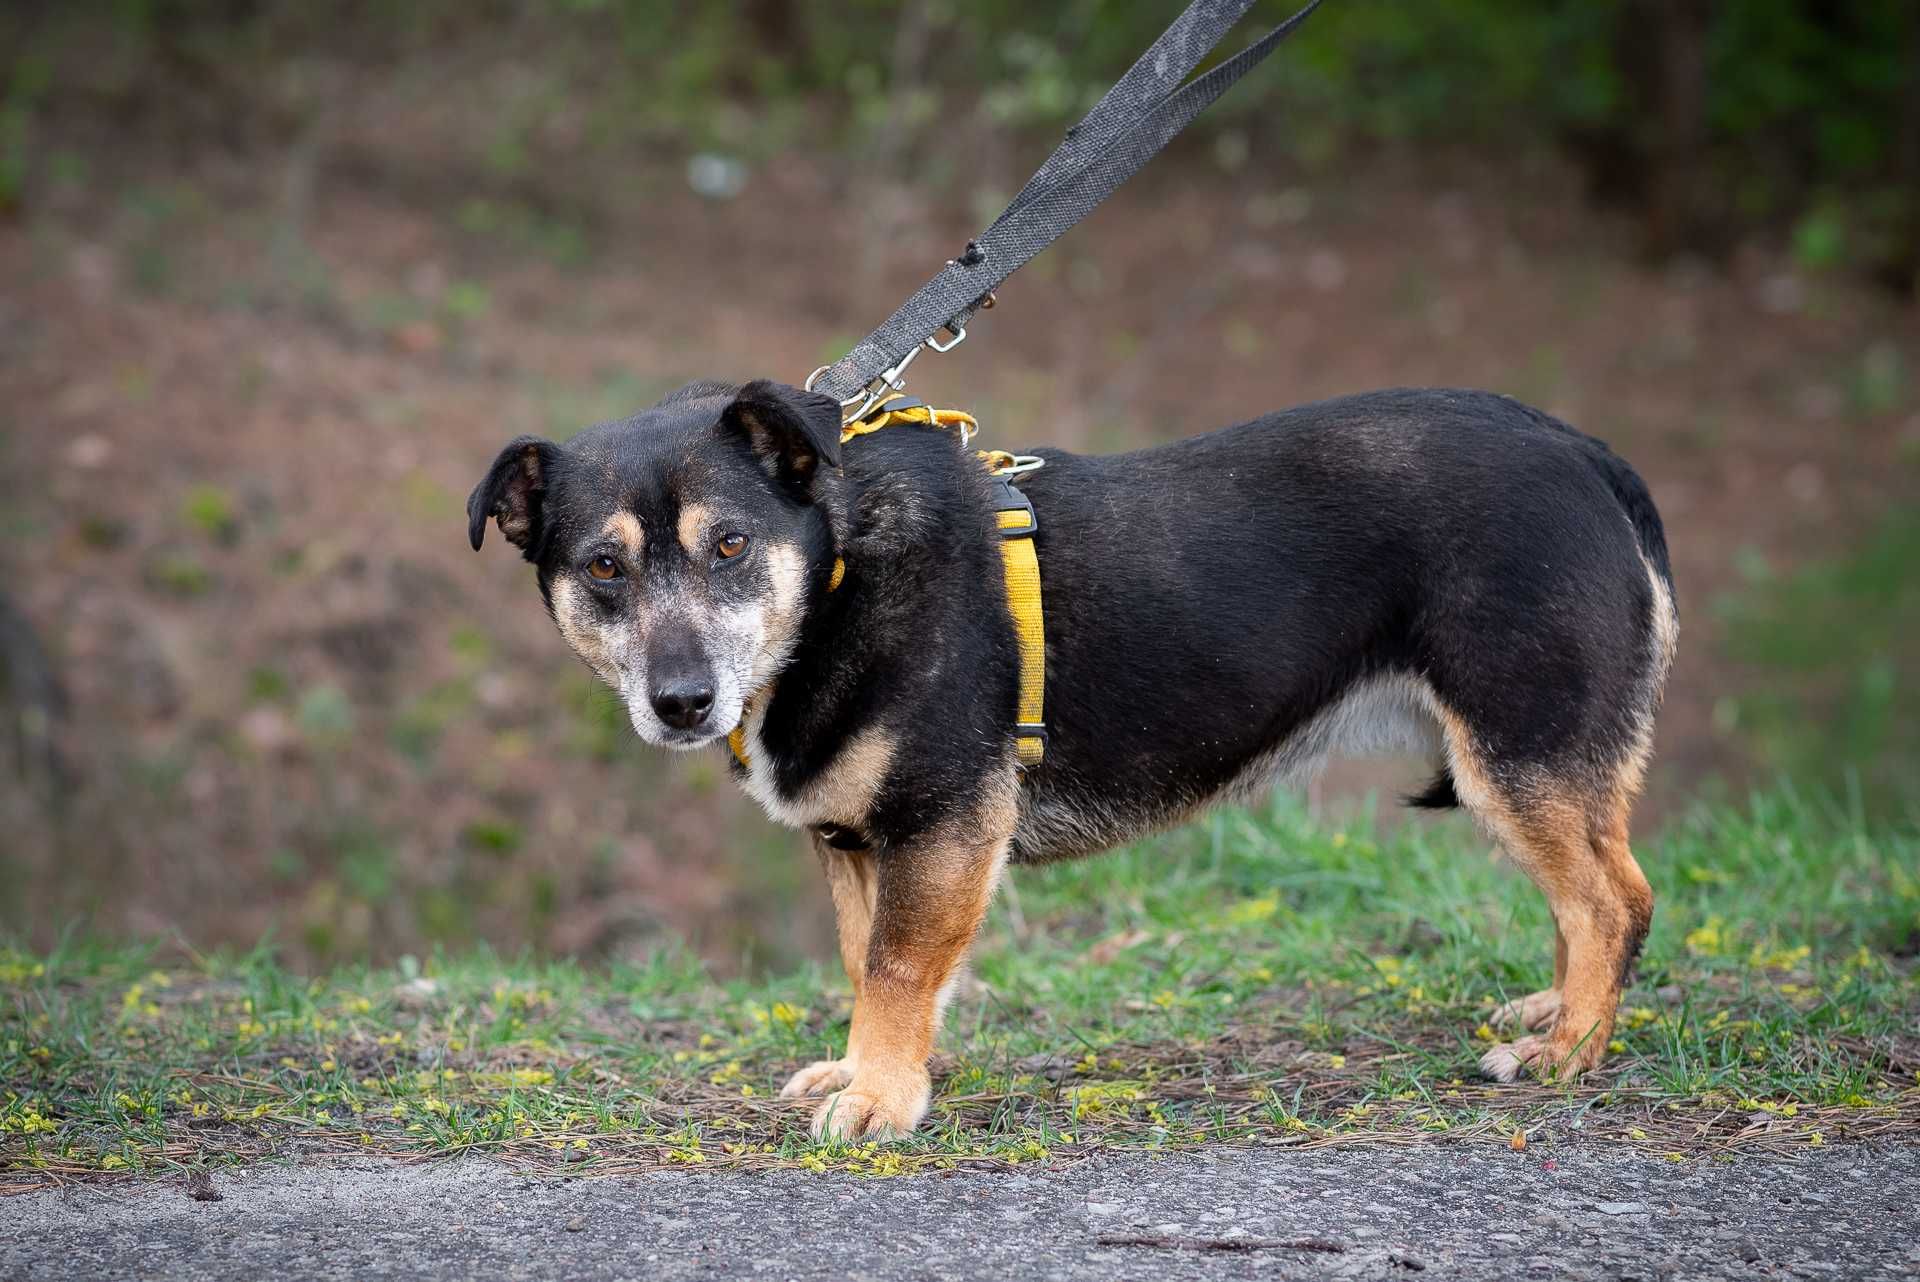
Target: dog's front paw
818,1078
1535,1010
1507,1061
876,1108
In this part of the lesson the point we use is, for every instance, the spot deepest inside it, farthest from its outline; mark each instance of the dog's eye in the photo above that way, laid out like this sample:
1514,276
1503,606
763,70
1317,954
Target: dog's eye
731,545
603,568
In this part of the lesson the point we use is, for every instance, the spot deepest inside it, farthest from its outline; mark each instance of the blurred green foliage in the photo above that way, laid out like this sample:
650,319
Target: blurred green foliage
1836,645
1801,112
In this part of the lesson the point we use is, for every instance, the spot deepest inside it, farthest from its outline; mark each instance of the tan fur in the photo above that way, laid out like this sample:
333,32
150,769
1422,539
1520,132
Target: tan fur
787,572
841,793
624,528
854,885
1573,846
581,634
693,528
927,904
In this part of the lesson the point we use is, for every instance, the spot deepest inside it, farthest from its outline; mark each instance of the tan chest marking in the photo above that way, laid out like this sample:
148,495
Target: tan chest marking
843,793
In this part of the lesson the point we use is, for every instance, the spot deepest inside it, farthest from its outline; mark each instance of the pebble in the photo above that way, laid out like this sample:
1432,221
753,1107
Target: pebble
1621,1208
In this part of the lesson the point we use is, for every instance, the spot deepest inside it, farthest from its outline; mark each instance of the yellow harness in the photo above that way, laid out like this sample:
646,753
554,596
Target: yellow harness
1014,515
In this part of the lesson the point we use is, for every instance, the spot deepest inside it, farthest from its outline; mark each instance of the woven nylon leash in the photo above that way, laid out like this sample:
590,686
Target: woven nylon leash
1125,129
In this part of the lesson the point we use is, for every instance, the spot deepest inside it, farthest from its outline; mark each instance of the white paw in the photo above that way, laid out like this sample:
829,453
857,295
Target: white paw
854,1114
1507,1061
818,1078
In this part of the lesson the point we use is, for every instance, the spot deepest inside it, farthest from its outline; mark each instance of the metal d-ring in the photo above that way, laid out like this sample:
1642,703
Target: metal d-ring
892,380
959,337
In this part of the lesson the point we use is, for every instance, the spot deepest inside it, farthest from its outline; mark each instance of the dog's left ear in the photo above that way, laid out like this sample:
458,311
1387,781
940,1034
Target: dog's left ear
790,430
513,491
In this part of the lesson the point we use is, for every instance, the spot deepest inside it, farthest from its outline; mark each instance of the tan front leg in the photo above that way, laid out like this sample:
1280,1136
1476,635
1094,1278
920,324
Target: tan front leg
929,900
852,881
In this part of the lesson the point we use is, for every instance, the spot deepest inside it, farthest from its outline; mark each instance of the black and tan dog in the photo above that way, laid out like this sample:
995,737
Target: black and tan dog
1439,570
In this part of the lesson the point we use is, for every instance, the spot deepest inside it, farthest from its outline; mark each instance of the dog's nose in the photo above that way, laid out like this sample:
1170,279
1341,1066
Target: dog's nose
683,704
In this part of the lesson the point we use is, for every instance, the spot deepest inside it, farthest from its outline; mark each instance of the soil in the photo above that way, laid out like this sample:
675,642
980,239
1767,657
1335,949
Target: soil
245,396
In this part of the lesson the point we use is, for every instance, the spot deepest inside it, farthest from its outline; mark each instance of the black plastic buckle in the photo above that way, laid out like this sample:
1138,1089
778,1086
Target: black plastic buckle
1008,499
1030,730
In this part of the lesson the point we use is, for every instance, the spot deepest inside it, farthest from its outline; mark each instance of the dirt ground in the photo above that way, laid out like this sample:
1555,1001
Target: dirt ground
244,397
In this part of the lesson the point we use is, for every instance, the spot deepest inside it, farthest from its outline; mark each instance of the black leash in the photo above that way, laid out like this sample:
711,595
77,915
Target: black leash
1125,129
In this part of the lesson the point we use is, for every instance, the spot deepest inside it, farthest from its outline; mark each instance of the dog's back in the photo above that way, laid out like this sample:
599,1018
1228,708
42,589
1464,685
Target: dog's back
1218,606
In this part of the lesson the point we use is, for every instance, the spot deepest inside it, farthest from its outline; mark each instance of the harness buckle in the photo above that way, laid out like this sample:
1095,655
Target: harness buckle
1009,502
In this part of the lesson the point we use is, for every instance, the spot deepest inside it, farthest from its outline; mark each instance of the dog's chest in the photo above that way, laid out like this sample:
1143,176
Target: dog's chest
842,793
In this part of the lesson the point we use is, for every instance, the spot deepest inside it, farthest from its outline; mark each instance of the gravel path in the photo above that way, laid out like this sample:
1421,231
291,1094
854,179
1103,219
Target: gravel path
1842,1213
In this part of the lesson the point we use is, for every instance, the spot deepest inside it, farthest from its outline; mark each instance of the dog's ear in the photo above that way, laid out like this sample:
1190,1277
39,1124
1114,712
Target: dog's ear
791,431
512,492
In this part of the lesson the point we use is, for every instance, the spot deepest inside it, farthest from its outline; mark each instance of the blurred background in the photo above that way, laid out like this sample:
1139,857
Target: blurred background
277,279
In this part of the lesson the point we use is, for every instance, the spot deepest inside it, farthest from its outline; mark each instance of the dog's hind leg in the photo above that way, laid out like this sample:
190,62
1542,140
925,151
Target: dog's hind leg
853,883
1537,1010
929,898
1571,841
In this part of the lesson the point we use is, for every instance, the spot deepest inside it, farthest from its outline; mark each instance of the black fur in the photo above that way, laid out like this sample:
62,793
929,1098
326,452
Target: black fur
1204,600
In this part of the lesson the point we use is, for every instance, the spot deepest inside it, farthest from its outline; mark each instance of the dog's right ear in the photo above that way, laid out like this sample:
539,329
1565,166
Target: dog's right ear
513,491
790,431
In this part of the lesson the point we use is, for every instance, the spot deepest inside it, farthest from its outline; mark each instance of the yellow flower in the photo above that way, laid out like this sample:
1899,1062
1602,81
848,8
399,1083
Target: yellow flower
1706,941
1250,911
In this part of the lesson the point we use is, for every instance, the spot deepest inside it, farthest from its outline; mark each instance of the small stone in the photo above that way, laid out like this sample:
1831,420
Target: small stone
1621,1208
89,451
1749,1251
576,1224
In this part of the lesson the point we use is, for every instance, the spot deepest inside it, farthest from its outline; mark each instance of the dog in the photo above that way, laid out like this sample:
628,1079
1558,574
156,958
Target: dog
1446,571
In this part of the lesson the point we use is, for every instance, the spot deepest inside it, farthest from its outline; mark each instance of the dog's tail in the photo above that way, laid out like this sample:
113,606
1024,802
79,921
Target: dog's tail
1631,493
1438,795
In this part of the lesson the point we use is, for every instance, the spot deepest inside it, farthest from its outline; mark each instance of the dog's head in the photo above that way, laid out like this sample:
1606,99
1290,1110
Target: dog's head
677,550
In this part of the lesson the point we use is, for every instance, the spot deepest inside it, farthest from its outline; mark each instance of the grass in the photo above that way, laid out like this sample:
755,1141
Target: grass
1824,700
1256,978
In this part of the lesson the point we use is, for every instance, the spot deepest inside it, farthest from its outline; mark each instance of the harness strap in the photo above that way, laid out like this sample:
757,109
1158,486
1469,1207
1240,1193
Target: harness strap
1013,513
1018,523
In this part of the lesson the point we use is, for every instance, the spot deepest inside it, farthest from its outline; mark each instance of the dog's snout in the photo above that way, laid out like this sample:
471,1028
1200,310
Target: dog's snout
683,702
